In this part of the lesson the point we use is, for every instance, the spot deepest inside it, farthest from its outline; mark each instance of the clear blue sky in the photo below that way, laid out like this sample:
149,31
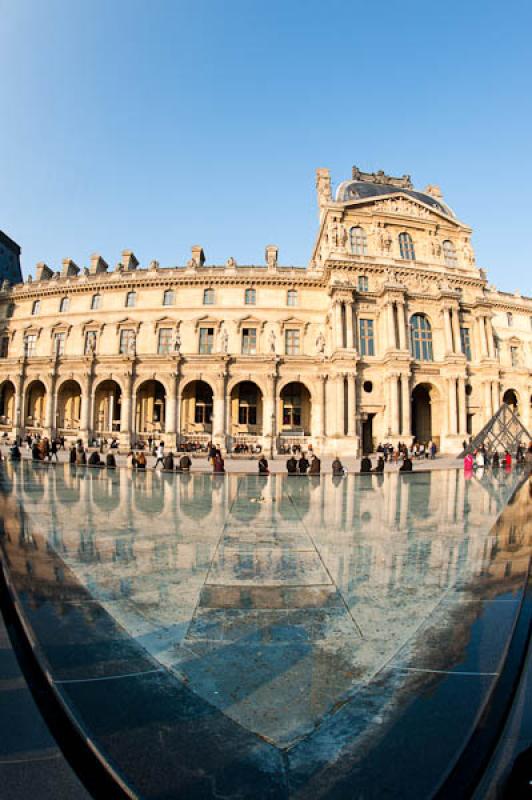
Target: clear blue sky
158,125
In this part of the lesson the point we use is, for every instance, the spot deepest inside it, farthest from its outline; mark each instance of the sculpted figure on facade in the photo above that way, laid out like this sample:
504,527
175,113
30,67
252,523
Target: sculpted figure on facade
224,341
320,343
272,342
132,344
177,342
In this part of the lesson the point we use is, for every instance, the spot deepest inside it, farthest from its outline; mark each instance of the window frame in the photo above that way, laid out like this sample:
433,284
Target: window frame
29,338
164,341
450,257
366,336
421,343
358,242
59,343
465,342
131,295
90,335
292,298
35,308
250,296
292,341
407,249
96,302
249,342
363,283
209,296
125,338
206,343
64,305
169,293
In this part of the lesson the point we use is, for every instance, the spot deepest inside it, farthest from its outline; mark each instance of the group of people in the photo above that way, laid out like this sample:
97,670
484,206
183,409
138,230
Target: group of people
242,447
302,465
484,457
416,450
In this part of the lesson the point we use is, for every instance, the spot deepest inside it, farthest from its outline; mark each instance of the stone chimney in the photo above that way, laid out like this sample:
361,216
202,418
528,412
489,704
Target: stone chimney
97,264
272,253
129,260
69,268
198,256
43,272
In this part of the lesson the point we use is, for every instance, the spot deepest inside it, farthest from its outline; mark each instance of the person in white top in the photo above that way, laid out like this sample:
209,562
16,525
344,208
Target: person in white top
160,455
479,458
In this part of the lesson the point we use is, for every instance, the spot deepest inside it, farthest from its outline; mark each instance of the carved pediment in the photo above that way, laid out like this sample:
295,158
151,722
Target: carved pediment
294,322
207,322
250,321
401,205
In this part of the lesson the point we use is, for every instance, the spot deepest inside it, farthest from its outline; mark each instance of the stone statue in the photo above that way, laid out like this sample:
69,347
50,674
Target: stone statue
231,263
385,241
132,345
469,256
333,233
91,343
320,343
224,341
177,342
272,341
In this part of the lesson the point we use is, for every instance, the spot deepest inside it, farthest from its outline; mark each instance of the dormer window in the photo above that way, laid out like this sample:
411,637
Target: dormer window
64,305
131,299
449,254
169,297
36,308
208,297
406,247
250,297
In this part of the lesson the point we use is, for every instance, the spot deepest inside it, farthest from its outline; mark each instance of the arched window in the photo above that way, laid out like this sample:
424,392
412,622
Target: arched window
64,305
168,297
421,338
96,301
449,253
510,318
291,297
10,310
250,297
36,307
406,247
131,299
358,241
208,297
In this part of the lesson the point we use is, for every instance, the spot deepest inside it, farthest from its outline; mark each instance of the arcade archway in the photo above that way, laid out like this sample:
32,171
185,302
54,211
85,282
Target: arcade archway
426,417
246,409
35,406
150,408
69,406
107,407
7,404
296,409
196,409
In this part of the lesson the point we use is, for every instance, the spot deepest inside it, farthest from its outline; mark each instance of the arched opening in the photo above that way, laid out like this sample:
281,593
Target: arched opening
107,407
7,404
150,409
510,398
69,407
423,422
295,409
196,412
35,411
246,413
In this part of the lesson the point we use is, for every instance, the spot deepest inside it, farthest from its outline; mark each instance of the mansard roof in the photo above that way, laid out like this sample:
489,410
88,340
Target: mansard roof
362,190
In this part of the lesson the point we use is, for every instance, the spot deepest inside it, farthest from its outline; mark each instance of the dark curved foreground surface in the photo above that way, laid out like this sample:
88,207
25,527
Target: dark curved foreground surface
246,637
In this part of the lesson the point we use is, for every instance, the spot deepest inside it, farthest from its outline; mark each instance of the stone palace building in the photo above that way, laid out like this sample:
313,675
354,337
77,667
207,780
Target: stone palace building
392,331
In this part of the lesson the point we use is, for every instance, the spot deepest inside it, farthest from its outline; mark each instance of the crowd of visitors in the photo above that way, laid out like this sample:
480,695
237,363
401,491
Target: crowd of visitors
484,457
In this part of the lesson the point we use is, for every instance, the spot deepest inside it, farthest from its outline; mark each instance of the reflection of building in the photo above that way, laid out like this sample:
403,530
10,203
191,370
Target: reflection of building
391,331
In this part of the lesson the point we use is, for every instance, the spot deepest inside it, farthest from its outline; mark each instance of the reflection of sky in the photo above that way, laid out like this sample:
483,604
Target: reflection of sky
248,587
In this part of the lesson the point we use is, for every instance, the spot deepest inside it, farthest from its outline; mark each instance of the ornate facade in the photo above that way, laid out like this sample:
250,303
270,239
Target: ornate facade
391,331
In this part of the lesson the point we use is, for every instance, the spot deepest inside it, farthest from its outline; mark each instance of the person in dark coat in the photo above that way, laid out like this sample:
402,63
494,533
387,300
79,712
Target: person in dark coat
315,466
14,452
94,459
185,463
35,452
110,461
291,466
337,467
365,464
168,462
380,465
407,465
263,466
303,465
72,454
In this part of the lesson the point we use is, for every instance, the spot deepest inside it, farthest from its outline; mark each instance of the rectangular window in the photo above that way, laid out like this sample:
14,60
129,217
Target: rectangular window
247,415
363,283
30,344
90,342
59,344
466,342
126,337
367,337
514,355
291,297
292,342
164,344
206,340
4,347
249,341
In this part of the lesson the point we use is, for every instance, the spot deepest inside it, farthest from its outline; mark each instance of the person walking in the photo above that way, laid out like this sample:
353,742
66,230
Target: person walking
160,456
218,465
53,450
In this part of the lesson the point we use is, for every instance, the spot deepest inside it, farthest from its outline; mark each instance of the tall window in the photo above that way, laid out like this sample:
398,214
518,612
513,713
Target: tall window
406,247
96,302
465,339
247,404
367,337
131,299
206,340
292,342
59,344
358,241
449,253
10,310
510,318
208,297
514,355
30,344
164,344
292,405
4,347
90,342
64,305
36,307
421,338
250,297
169,297
126,336
249,341
203,404
291,297
363,283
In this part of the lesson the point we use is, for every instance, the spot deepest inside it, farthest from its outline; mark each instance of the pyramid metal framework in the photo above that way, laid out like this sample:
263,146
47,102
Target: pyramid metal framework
504,431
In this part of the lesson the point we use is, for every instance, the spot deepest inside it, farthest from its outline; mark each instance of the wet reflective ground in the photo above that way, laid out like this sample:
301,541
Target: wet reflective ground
269,637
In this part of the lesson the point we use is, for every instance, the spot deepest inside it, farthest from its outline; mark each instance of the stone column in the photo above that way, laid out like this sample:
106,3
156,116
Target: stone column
394,404
456,331
339,381
482,337
489,334
452,407
86,406
401,324
351,404
447,330
171,406
269,428
18,421
319,404
125,411
392,344
349,325
406,428
49,422
338,327
218,411
462,414
488,401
